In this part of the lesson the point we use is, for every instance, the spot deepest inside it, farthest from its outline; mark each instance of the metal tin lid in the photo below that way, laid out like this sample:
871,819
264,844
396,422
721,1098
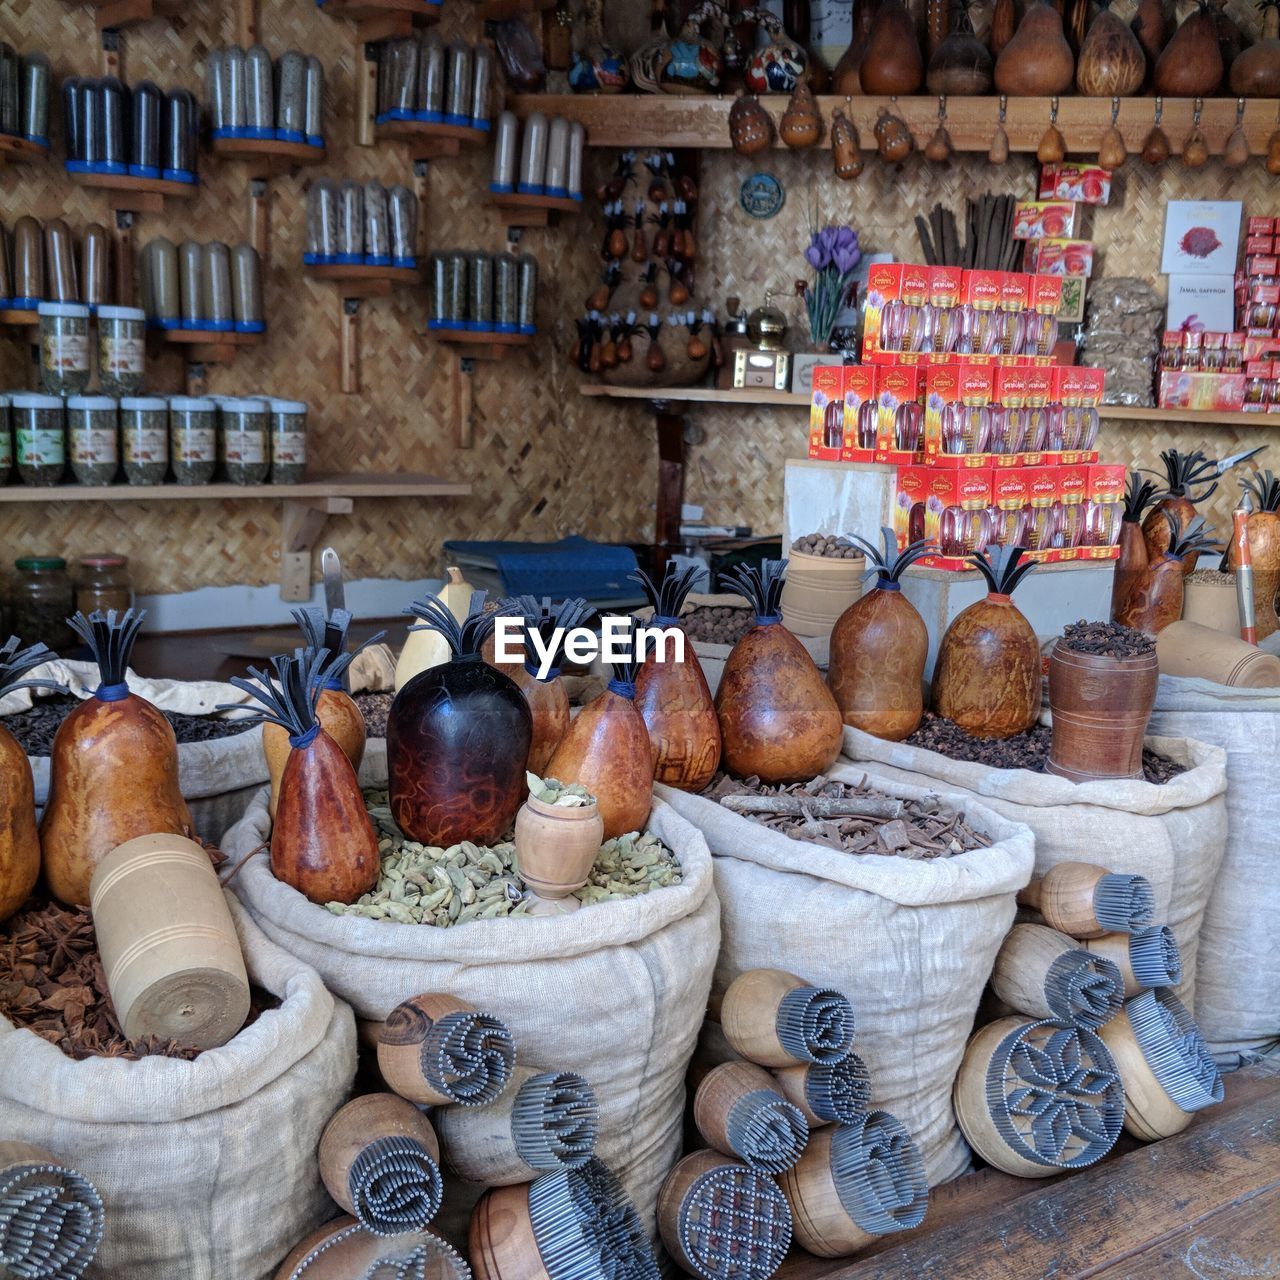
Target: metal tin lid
121,313
192,404
144,402
35,400
107,561
287,406
235,405
39,564
77,310
91,402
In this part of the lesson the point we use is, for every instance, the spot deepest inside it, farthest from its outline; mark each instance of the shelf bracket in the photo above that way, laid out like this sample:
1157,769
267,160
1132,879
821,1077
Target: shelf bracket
464,368
671,473
259,220
301,524
366,91
421,188
125,286
112,54
197,379
349,333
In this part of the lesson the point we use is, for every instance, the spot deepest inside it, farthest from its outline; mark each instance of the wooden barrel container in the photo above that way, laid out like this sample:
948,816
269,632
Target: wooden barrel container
1002,1091
543,1121
169,950
1211,604
775,1019
856,1182
827,1094
1184,649
741,1111
556,846
1146,959
380,1160
1167,1069
1045,974
51,1217
817,591
438,1050
719,1218
343,1249
1101,706
1085,901
501,1243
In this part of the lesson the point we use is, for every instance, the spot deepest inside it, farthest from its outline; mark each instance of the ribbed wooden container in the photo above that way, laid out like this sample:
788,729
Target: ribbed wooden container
817,590
1210,604
1149,1112
556,846
342,1249
1184,649
169,950
501,1242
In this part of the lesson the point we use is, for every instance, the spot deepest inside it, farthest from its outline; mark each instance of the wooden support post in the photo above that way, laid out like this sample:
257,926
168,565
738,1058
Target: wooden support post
421,189
112,55
259,220
671,469
125,290
301,524
366,92
463,372
197,379
350,341
246,23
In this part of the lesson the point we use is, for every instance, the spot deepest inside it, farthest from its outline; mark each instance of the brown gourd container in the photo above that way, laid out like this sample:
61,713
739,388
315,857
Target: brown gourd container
1086,901
1184,649
1264,545
339,717
169,948
556,845
1101,707
19,837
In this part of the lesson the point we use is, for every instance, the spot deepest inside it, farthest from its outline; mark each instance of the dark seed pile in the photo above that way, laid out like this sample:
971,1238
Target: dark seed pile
1108,639
717,624
1212,577
923,828
374,708
1028,750
833,546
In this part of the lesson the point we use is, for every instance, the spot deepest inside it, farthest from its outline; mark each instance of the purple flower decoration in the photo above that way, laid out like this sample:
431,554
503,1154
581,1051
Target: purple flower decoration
816,255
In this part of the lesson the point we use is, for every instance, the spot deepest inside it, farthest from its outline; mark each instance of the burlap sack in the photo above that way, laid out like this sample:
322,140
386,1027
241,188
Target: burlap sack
910,942
614,991
1173,834
1238,965
207,1169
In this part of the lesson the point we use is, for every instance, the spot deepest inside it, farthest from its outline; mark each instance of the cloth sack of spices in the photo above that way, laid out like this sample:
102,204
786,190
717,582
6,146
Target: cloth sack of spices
911,942
1238,964
207,1169
1174,834
615,991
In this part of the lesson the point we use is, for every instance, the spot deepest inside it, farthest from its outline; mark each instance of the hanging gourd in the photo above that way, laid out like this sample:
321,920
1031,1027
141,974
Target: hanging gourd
778,720
1190,478
19,839
879,645
894,139
1132,561
750,126
1235,154
337,712
1155,147
1256,72
322,842
673,697
1038,61
1152,25
1154,598
113,770
1191,64
801,123
961,65
987,676
425,648
845,154
1112,152
546,695
1111,63
891,61
1052,148
458,738
608,751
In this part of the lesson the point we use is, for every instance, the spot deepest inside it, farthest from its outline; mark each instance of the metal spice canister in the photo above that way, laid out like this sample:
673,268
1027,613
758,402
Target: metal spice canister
233,95
323,221
377,232
144,438
93,439
111,140
217,312
260,106
439,291
505,147
402,210
215,92
457,109
28,264
64,347
191,283
533,155
351,223
122,335
506,293
246,289
288,441
149,107
35,98
455,290
193,438
182,122
242,440
10,89
291,97
481,79
556,173
60,255
480,291
95,266
577,145
528,298
431,79
162,284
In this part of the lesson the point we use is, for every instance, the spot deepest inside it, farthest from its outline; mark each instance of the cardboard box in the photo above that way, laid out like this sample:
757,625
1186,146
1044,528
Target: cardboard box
1053,256
1088,184
940,503
1072,482
967,384
1042,492
859,390
827,413
1010,494
884,284
1260,226
1035,219
1213,392
896,385
1200,300
1071,310
1201,237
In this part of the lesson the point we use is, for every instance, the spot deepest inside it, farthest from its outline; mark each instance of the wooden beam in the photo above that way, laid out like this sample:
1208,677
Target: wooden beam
246,23
349,333
301,524
671,471
260,220
366,92
463,403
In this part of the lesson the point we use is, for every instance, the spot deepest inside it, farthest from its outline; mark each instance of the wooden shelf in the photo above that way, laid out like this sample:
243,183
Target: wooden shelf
430,141
531,211
15,150
356,280
667,121
269,157
326,485
481,346
13,318
208,346
383,19
141,195
787,399
501,10
111,15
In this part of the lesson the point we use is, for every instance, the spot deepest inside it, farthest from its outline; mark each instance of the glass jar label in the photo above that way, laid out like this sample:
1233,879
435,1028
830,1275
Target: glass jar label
6,448
289,446
66,352
146,444
246,446
121,355
94,445
194,445
40,447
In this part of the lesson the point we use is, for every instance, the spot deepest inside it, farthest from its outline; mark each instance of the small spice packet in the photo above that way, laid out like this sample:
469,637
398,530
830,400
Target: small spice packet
1089,184
1057,256
1035,219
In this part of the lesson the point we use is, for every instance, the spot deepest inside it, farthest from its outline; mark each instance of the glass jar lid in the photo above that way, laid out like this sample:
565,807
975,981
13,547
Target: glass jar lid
39,564
144,402
234,405
108,561
192,404
91,402
76,310
121,313
287,406
35,400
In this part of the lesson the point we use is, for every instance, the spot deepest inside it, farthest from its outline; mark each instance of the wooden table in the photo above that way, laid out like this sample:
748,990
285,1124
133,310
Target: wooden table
1198,1206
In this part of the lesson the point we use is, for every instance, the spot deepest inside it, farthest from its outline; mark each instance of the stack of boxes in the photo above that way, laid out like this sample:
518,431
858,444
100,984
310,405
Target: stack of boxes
991,440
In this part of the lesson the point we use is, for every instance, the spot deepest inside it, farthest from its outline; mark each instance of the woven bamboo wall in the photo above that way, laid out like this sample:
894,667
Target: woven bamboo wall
545,461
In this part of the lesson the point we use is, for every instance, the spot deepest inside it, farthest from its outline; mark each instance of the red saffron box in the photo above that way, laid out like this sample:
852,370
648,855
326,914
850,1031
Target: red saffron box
950,507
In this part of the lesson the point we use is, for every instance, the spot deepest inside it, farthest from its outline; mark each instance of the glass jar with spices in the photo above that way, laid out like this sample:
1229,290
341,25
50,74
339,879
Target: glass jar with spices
193,438
103,582
122,333
41,601
64,347
242,440
39,443
506,293
288,441
93,439
291,97
246,289
6,441
144,434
